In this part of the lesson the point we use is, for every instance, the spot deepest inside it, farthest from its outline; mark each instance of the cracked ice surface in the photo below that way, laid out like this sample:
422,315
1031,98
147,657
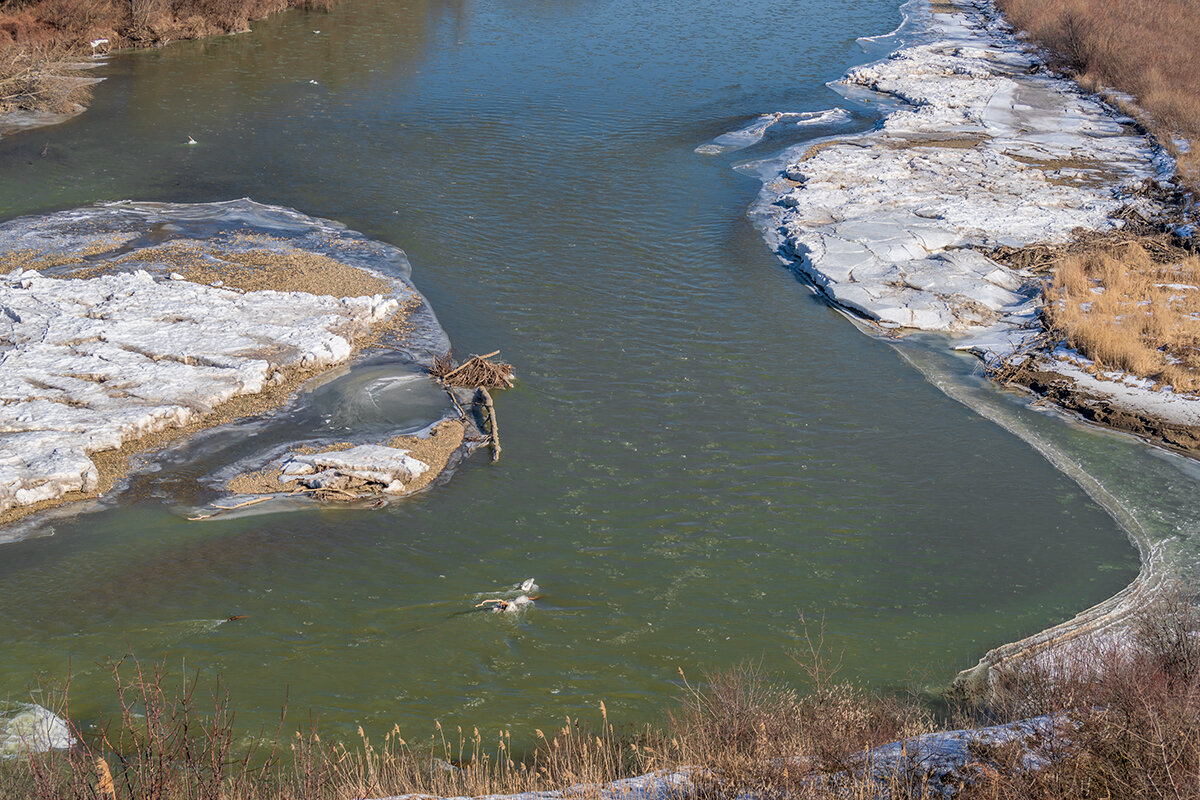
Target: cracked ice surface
982,153
88,364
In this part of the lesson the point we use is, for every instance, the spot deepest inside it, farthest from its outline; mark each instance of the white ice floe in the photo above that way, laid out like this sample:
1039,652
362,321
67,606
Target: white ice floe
756,130
390,467
89,364
32,729
984,151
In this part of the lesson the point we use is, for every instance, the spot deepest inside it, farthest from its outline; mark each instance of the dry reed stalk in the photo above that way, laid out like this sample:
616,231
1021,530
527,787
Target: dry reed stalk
104,781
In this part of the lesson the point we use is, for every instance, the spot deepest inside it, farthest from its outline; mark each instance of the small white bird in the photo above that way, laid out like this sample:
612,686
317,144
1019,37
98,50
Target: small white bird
528,585
313,82
192,141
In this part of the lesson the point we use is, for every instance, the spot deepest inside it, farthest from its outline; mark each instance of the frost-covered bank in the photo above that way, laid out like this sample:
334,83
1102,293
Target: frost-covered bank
987,150
124,326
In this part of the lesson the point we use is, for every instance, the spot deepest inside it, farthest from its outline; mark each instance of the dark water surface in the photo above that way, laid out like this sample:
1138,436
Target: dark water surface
697,452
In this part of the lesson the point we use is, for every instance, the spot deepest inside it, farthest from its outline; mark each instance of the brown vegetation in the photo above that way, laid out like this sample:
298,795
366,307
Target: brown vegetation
1147,50
39,77
1133,711
1128,711
39,39
1131,310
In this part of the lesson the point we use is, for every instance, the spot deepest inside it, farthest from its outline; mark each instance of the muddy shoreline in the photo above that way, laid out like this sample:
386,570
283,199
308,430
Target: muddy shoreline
1066,395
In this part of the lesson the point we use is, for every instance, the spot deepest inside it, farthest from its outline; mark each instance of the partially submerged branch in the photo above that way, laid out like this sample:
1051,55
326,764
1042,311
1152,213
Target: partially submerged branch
480,373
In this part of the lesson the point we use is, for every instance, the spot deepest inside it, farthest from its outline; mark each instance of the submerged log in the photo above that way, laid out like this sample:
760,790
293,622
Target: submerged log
493,426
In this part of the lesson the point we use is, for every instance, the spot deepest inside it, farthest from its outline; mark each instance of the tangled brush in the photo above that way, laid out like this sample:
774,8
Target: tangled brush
476,371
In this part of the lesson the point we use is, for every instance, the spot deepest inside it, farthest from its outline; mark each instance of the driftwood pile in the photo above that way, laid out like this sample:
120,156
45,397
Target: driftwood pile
1158,237
480,373
474,373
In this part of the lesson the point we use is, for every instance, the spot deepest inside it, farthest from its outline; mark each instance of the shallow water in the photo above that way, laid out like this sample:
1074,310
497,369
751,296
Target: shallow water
698,451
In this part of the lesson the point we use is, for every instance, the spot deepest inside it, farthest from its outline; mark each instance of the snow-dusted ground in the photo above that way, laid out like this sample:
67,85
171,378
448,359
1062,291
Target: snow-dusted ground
983,152
391,467
87,364
987,148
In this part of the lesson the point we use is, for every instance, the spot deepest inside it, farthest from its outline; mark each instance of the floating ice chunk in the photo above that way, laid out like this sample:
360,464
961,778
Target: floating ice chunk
756,130
33,729
298,468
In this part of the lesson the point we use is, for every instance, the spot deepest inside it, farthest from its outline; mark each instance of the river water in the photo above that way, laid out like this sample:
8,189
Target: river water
697,453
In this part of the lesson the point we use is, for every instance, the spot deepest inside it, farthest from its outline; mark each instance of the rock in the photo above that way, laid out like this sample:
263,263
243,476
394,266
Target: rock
33,729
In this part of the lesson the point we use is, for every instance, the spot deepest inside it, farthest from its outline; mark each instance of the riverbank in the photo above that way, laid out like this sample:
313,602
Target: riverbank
120,338
1124,725
991,155
924,224
1104,46
45,45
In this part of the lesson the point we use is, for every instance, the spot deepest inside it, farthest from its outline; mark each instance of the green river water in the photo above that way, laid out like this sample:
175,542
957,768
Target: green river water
698,450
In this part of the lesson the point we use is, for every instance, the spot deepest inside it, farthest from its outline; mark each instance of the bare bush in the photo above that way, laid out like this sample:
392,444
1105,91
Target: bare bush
40,78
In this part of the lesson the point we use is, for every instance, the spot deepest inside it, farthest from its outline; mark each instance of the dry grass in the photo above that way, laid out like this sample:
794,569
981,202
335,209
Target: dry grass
1147,49
170,742
1133,707
1129,712
1132,311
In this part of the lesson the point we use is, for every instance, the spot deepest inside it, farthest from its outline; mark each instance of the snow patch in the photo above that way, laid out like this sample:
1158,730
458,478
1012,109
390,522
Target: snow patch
389,466
87,364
